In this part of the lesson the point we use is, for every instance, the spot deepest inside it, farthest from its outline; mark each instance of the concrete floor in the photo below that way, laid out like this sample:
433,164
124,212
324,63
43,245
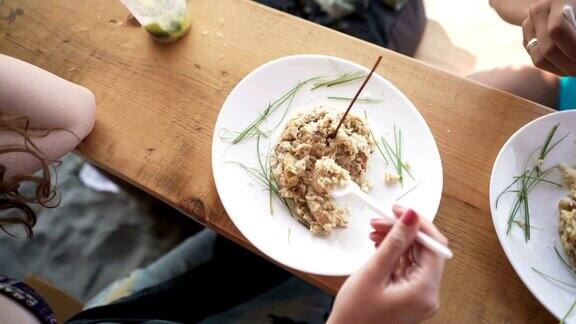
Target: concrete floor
92,237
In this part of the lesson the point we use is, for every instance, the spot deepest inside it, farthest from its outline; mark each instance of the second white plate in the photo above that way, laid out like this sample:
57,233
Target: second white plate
538,252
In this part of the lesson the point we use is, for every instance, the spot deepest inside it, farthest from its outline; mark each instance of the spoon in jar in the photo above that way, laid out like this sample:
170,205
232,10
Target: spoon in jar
351,188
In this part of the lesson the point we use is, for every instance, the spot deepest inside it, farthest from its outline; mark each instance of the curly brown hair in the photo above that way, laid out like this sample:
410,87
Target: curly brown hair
15,204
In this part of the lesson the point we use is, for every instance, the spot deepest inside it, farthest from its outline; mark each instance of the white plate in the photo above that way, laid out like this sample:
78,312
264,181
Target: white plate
538,252
278,235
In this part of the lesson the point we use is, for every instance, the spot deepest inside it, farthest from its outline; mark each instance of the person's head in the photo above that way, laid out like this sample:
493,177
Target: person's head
19,192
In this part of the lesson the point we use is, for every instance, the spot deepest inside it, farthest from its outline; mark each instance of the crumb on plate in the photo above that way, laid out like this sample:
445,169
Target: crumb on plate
391,178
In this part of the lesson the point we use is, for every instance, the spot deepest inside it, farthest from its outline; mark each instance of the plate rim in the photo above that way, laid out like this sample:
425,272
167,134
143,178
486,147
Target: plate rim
501,236
313,56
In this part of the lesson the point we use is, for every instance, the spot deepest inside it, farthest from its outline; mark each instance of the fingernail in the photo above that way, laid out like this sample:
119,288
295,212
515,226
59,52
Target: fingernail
410,217
398,210
372,235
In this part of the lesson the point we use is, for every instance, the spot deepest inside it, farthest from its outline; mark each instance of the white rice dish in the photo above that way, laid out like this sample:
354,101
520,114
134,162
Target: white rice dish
567,218
307,163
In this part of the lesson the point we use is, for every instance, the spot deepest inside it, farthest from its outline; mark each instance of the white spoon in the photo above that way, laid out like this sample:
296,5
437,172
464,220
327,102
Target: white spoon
351,188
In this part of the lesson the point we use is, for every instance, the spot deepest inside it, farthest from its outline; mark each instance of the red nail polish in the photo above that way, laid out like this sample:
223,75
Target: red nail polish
410,218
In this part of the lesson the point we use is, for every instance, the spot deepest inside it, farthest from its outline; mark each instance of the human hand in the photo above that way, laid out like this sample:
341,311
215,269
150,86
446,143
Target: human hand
400,283
550,38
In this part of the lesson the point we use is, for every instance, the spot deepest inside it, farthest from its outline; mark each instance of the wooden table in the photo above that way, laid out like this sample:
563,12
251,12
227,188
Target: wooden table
157,105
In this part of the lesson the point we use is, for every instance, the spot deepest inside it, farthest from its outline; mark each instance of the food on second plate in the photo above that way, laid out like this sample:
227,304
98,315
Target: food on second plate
307,163
567,208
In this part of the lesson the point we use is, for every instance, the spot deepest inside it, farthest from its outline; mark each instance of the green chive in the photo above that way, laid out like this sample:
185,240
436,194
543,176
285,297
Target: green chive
527,181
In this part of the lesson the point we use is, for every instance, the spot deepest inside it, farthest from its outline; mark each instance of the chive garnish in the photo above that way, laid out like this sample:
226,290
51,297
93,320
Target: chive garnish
254,128
527,181
340,79
564,261
522,225
552,278
374,139
286,101
265,176
571,309
394,154
568,313
264,169
408,191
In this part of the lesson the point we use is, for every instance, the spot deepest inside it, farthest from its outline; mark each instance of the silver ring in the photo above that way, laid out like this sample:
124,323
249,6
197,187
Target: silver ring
531,44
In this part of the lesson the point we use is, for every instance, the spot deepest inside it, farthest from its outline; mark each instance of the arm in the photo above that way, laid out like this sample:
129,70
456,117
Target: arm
512,11
49,102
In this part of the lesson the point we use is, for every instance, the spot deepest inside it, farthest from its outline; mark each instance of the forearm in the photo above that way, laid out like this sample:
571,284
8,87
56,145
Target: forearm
49,102
512,11
46,99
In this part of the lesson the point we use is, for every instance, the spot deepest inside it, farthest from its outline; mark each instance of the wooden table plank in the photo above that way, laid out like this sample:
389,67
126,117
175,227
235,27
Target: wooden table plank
157,105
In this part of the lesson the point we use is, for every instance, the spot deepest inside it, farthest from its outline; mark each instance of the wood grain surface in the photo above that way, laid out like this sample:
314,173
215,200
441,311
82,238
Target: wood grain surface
157,105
